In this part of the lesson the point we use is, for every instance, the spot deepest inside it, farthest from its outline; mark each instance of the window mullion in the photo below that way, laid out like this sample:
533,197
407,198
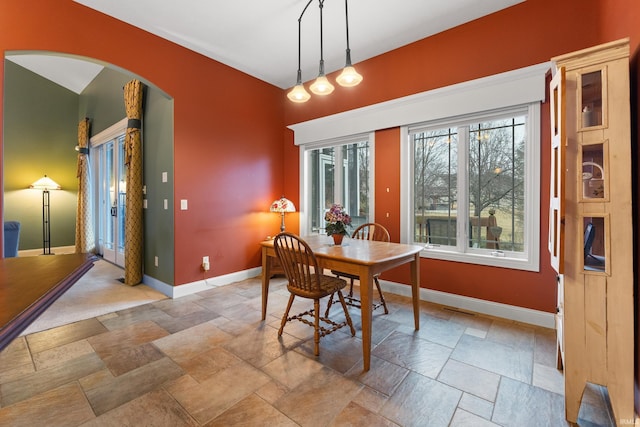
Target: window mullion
462,199
338,175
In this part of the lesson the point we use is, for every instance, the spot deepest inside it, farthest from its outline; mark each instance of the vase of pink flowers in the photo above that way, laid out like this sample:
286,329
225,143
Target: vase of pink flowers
337,222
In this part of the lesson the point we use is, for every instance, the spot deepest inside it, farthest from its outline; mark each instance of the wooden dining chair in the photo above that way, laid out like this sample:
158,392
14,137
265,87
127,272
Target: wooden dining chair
368,231
307,281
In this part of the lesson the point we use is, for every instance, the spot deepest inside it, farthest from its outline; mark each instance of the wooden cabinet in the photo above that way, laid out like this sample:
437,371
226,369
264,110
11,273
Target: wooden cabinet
590,237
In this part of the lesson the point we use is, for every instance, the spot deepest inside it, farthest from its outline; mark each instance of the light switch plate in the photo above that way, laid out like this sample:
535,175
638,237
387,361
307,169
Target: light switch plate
166,204
184,205
164,177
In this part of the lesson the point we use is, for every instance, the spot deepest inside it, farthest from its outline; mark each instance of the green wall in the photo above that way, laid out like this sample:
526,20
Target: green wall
103,102
40,134
157,131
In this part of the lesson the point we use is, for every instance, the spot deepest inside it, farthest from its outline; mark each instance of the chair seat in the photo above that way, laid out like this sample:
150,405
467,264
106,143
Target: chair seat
328,285
354,301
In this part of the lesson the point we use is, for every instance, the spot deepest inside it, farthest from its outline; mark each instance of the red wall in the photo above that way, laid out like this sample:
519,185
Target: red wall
228,152
528,33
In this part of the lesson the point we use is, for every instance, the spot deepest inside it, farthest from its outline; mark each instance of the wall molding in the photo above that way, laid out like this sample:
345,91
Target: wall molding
59,250
490,308
200,285
476,305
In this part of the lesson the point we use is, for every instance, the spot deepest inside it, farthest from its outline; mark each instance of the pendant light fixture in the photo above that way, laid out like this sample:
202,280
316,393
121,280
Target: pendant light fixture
321,86
299,93
349,77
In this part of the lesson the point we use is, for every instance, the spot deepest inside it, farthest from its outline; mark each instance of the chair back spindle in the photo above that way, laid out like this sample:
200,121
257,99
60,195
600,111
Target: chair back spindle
298,262
371,231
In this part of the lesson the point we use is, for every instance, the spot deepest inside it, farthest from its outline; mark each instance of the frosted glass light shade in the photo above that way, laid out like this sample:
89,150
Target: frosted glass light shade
321,86
349,77
298,94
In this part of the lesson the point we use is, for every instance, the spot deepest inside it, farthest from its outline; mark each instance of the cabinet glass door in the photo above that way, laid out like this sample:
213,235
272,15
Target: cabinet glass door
595,244
592,93
593,158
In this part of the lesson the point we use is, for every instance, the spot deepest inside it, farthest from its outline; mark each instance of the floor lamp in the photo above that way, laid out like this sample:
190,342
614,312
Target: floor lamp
45,184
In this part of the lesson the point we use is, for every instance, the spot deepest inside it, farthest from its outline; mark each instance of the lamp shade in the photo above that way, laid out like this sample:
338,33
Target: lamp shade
45,183
349,77
298,94
282,205
321,86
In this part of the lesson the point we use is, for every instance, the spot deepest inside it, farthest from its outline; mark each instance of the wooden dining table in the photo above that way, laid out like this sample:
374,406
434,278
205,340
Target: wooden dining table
363,258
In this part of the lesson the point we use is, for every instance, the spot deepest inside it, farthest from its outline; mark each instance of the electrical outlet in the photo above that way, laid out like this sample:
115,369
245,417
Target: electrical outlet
205,263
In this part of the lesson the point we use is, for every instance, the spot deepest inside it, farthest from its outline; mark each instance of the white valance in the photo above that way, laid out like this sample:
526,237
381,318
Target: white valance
518,87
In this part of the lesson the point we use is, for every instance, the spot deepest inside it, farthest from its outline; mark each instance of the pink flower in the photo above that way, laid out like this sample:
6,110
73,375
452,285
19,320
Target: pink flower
337,220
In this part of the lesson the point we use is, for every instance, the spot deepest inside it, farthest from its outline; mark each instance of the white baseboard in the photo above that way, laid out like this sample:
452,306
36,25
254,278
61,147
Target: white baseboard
200,285
505,311
57,250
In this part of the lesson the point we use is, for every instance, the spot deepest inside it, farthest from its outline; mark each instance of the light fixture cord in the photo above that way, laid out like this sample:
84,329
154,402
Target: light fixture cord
346,18
299,78
321,73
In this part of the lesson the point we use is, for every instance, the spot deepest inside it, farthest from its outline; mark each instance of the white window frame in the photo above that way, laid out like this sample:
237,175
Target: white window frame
528,259
305,198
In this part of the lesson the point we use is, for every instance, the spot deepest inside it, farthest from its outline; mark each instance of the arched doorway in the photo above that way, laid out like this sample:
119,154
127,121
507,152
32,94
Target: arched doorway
40,133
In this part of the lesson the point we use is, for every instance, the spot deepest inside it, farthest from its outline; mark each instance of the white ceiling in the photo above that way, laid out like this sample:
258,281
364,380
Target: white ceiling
72,73
260,37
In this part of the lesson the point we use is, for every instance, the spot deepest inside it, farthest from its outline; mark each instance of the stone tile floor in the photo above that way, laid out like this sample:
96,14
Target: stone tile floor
208,360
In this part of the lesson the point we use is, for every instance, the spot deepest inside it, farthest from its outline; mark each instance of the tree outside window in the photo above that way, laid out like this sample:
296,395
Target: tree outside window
480,164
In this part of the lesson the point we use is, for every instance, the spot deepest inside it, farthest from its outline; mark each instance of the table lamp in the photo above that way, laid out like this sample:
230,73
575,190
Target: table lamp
281,206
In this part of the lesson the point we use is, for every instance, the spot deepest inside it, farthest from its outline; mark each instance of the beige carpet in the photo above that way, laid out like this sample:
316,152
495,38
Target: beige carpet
98,292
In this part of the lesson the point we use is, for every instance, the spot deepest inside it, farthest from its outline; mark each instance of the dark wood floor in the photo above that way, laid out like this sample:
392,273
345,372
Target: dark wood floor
28,285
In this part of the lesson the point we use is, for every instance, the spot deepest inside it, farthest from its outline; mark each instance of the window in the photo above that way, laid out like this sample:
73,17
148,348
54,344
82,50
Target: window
338,171
473,191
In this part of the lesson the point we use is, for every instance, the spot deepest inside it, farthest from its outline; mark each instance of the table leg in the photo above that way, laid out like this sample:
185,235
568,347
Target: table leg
415,289
366,292
266,275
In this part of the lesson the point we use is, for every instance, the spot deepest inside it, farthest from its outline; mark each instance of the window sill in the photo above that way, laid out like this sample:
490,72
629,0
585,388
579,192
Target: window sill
501,259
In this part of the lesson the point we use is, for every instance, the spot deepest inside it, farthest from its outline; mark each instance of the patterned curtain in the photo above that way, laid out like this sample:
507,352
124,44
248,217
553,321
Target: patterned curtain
134,233
85,241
